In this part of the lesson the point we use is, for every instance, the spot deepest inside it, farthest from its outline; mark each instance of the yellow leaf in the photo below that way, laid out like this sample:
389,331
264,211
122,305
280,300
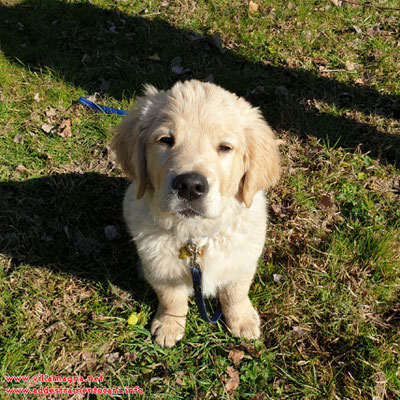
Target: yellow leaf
133,319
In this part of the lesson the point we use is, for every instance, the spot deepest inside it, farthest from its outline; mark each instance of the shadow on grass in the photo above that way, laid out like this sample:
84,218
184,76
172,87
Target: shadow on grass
70,223
59,221
97,49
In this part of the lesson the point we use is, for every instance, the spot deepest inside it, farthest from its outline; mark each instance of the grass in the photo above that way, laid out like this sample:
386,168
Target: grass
327,287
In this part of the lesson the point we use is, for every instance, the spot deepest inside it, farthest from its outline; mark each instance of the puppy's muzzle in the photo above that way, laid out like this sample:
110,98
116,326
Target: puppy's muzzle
190,186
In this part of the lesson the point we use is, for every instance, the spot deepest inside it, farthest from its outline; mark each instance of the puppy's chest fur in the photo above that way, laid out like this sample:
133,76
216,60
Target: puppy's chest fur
231,243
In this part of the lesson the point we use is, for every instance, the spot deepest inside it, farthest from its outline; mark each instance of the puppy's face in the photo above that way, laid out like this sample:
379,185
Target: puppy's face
194,160
195,147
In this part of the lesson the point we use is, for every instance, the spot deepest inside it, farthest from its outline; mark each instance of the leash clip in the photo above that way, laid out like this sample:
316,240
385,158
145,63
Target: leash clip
195,252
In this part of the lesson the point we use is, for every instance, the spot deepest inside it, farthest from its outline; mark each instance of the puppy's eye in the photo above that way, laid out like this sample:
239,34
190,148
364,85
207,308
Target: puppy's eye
168,140
224,148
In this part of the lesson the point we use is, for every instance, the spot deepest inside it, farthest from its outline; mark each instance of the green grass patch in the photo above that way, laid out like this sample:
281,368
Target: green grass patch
327,287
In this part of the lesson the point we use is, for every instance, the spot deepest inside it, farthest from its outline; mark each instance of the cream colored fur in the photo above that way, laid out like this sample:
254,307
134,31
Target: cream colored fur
230,221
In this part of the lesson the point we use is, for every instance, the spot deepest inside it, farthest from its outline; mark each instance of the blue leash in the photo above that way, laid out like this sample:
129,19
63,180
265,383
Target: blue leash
192,251
199,298
107,110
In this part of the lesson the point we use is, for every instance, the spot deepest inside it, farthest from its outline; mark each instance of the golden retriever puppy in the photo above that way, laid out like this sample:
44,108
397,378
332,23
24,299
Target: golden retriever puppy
200,158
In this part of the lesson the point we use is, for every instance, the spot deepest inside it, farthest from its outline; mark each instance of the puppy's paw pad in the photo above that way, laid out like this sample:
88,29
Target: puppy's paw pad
168,330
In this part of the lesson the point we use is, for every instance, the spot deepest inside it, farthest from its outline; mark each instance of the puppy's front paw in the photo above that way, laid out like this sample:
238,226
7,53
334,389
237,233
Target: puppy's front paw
245,325
168,329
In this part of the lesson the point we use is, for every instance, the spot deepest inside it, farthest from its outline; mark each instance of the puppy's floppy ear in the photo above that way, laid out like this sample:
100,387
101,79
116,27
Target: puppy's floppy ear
262,160
128,142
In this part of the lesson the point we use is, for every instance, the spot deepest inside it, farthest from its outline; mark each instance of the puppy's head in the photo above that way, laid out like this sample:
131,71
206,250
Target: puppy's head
195,147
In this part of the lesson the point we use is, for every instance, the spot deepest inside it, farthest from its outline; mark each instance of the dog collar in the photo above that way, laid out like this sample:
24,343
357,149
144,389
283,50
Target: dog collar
192,251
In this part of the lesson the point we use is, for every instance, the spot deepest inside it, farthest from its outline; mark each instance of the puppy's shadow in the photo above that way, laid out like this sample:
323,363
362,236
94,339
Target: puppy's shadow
70,223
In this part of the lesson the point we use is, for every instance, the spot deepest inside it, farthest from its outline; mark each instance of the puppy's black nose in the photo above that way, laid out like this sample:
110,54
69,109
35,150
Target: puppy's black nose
190,186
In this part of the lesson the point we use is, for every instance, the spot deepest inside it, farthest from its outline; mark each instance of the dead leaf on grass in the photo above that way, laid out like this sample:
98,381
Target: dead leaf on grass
253,7
50,113
296,239
259,396
326,202
277,209
380,386
90,359
64,130
19,139
396,185
299,331
233,381
160,370
250,349
236,356
36,97
350,66
278,382
130,357
179,381
20,170
54,327
320,61
112,358
47,128
372,31
93,97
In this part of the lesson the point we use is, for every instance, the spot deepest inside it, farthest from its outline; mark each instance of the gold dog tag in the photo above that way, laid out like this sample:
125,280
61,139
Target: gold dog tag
186,252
